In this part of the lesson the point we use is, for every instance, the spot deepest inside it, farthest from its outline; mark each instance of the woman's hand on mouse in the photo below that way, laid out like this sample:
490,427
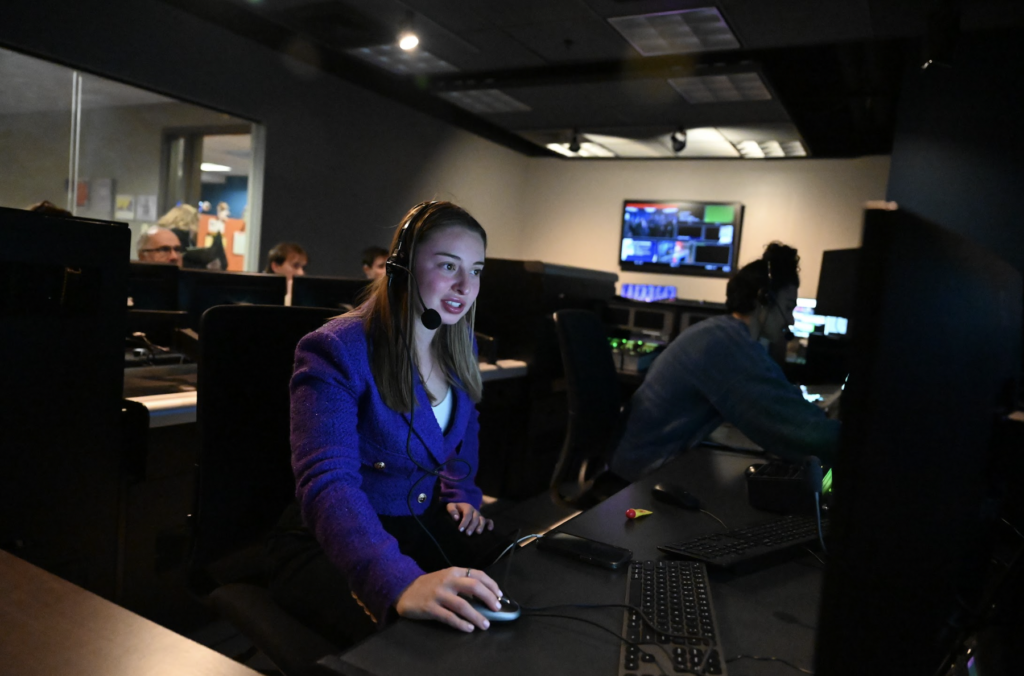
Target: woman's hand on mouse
436,596
469,518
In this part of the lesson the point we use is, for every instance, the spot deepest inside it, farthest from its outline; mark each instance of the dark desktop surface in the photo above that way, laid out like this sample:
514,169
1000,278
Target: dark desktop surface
772,612
144,381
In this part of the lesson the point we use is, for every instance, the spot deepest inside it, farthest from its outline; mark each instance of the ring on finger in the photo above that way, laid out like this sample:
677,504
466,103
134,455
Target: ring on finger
468,571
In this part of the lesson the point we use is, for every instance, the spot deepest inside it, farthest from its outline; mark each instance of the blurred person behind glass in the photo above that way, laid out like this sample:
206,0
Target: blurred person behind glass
183,221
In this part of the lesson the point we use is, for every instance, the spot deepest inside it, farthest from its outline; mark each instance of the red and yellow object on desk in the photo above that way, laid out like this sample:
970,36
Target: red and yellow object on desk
636,513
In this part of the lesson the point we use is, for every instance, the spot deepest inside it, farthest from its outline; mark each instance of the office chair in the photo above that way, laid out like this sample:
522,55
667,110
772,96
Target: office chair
595,412
245,476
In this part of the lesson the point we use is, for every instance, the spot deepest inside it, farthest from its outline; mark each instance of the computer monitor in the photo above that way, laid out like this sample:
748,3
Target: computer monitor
806,320
199,290
332,292
936,349
680,237
837,282
153,286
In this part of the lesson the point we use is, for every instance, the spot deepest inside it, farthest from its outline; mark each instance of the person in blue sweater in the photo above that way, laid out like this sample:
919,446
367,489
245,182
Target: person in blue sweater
719,370
385,450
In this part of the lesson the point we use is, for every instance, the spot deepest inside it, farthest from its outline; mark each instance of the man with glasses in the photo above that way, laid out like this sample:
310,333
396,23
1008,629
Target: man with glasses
159,245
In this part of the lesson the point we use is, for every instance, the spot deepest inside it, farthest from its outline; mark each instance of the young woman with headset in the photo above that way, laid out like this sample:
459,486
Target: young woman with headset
384,446
719,370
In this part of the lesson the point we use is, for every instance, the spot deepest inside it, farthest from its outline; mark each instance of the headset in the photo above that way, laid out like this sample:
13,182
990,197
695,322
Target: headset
399,262
766,295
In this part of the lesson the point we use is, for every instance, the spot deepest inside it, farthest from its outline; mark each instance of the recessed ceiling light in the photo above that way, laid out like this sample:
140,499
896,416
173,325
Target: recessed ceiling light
690,30
484,101
393,59
407,41
721,88
210,166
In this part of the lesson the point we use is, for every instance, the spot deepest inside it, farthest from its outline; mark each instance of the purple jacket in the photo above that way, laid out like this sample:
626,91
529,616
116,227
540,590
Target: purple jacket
350,464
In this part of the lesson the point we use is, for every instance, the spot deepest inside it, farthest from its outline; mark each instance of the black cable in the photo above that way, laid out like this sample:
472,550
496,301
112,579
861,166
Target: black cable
704,511
817,513
1013,527
627,606
809,551
613,633
436,472
769,659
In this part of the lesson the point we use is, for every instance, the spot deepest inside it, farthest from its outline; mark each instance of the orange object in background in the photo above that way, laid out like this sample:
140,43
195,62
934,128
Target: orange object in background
232,226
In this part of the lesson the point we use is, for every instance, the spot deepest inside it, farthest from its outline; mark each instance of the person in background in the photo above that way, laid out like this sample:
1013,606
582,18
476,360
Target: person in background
183,221
373,262
288,259
157,244
719,370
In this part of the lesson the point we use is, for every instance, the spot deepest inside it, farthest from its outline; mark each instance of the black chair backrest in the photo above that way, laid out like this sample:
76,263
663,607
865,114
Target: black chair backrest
245,476
595,397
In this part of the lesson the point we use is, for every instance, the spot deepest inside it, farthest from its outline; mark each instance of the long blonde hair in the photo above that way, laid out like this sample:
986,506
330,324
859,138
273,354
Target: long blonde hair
385,313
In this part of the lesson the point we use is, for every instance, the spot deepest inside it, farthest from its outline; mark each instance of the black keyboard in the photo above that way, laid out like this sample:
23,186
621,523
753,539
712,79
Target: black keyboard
675,596
753,547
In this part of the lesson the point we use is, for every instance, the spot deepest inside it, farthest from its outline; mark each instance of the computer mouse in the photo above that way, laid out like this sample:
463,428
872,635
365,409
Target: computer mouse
509,610
674,494
753,468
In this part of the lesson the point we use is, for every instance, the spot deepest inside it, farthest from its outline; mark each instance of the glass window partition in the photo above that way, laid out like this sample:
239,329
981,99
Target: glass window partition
102,149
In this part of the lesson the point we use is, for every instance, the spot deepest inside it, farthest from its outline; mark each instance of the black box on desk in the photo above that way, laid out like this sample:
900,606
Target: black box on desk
779,487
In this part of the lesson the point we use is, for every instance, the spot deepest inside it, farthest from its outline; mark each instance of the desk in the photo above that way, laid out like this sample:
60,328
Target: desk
169,392
50,626
769,613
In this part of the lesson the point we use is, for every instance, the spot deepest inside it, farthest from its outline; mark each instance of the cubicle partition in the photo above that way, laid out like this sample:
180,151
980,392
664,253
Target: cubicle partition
62,306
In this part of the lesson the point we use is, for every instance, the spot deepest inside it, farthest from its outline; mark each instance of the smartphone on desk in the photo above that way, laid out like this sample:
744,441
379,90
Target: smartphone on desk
588,551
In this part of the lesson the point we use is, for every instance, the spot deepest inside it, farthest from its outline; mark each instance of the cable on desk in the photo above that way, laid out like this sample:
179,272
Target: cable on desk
613,633
639,611
769,659
704,511
1013,527
811,552
537,536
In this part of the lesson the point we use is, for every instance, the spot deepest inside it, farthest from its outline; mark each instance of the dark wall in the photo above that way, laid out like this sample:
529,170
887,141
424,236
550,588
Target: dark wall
341,162
958,156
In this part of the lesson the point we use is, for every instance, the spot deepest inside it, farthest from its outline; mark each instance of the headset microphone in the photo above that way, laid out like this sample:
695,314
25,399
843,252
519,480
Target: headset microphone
430,318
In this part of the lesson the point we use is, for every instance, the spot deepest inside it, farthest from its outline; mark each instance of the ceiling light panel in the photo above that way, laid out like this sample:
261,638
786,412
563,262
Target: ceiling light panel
794,149
485,101
721,88
684,32
395,60
587,149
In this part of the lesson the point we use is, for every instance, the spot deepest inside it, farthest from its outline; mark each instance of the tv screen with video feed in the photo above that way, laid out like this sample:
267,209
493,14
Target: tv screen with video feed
682,238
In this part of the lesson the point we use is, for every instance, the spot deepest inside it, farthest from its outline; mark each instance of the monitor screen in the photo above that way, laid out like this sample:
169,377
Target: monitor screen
806,321
683,238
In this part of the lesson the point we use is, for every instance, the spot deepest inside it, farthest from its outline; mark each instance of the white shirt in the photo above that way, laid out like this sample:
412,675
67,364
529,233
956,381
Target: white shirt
443,410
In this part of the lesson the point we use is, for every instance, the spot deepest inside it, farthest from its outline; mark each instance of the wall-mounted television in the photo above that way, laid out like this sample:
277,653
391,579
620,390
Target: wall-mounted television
680,237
